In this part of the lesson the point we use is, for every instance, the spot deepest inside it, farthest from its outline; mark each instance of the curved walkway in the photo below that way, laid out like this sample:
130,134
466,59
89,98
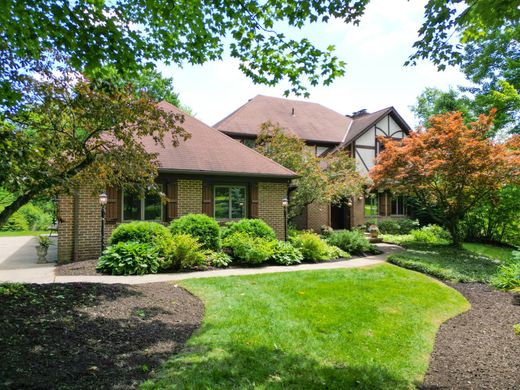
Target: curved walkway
46,274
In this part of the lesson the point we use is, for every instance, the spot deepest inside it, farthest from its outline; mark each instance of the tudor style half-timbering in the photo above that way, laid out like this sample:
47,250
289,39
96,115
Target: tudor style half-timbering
327,131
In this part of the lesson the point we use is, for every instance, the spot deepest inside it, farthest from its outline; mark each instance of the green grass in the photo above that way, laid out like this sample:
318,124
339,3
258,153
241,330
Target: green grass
336,329
23,233
502,253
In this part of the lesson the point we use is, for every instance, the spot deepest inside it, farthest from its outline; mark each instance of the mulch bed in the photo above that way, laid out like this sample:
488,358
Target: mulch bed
87,267
478,349
91,336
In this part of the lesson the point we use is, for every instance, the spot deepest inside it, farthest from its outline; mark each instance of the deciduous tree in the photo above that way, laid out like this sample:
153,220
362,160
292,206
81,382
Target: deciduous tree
449,168
71,129
321,179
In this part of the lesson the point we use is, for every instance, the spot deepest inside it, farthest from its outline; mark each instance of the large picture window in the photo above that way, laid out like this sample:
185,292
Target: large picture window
398,205
137,207
371,205
230,202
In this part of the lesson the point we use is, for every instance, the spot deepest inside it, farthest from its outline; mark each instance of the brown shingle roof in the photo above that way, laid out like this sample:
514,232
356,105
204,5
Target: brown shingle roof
311,121
208,151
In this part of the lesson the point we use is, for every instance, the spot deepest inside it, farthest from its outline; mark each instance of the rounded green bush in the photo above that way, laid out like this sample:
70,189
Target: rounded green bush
203,228
143,232
251,227
129,258
431,234
182,251
388,226
16,222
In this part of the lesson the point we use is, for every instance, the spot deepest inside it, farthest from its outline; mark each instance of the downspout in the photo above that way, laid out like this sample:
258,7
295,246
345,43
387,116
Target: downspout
75,225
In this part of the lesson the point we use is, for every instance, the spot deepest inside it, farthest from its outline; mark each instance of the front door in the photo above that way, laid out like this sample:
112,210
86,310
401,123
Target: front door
340,216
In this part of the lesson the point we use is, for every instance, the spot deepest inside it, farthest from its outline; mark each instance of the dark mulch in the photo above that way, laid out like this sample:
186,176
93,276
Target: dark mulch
91,336
87,267
478,349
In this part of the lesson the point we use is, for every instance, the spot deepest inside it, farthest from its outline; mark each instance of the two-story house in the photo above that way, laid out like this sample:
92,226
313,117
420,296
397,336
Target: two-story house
326,130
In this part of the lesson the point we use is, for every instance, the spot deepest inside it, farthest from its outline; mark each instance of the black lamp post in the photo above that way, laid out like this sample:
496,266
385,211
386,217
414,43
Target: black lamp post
103,199
285,204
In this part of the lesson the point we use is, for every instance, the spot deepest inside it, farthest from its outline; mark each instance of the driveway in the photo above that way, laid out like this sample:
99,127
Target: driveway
18,260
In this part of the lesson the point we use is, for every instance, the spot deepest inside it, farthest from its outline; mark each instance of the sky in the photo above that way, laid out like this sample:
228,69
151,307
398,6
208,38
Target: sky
375,78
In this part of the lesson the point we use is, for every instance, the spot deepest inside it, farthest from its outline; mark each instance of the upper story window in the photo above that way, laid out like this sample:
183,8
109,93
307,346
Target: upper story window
398,205
230,202
320,150
139,207
371,205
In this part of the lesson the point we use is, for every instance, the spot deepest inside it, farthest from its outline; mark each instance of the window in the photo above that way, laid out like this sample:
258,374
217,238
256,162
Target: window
141,208
371,205
320,150
230,202
398,205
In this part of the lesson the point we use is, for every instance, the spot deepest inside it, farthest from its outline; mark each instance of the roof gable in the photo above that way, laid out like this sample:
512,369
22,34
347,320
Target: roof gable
310,121
208,151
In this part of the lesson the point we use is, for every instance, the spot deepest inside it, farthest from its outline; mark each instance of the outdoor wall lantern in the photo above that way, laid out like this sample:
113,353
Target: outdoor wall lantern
285,205
103,200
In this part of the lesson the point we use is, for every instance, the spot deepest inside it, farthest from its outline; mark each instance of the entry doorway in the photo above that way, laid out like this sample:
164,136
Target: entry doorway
340,216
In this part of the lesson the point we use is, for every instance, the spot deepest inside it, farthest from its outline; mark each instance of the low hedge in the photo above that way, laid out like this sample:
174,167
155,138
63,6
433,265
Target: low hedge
251,227
200,226
142,232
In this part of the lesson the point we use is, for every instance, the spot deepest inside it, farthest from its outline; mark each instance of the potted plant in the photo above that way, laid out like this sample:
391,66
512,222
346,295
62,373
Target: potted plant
373,230
42,249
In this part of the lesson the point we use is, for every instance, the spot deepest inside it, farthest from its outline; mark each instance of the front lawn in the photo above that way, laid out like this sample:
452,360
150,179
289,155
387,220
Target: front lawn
336,329
446,262
502,253
23,233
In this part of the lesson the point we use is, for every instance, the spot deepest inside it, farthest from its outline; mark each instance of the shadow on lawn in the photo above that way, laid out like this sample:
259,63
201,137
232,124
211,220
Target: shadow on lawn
90,335
242,367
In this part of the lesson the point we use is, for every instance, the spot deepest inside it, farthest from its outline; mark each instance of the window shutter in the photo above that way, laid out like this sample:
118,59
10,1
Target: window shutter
253,200
113,210
172,210
207,199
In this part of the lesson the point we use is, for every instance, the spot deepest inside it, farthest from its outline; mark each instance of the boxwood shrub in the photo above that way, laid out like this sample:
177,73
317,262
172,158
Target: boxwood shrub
200,226
143,232
251,227
129,258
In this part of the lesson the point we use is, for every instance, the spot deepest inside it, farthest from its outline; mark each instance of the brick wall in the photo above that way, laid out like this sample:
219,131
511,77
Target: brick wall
88,242
318,214
189,196
270,207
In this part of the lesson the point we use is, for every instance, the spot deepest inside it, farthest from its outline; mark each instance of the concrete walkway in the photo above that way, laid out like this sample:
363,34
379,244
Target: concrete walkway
18,264
18,260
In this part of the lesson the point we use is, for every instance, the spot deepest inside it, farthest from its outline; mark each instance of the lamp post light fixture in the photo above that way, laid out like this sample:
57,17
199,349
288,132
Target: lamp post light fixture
103,200
285,205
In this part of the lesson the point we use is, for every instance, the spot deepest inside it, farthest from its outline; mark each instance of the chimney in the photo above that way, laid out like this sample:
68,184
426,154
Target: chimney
359,113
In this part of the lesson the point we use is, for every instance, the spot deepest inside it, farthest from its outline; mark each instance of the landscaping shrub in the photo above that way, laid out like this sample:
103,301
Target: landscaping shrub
251,227
389,226
142,232
200,226
312,246
286,254
326,230
219,259
508,275
406,225
352,242
250,250
16,222
182,251
431,234
129,258
336,253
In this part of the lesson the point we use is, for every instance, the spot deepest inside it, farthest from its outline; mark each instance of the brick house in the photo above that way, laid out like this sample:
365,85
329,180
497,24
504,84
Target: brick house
209,173
326,131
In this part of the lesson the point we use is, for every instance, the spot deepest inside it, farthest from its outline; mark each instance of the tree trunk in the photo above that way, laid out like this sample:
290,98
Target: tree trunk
456,236
22,200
